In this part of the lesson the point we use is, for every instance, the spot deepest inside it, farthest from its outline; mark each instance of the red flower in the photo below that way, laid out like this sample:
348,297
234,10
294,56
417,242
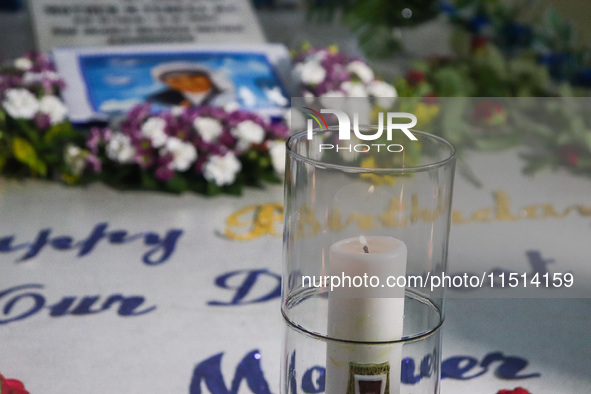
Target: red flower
430,98
12,386
414,77
478,43
518,390
569,155
490,113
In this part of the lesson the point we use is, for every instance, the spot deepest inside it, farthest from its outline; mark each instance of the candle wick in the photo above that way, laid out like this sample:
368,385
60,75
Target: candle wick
365,249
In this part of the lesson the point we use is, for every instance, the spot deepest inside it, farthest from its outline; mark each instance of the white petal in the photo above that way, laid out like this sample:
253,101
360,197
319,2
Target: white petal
362,70
20,103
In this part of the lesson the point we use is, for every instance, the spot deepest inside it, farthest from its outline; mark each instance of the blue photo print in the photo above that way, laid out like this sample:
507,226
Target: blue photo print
116,82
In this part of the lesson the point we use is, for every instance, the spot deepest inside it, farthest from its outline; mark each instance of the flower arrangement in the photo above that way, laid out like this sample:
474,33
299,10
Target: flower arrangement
549,40
213,150
481,70
377,22
207,150
326,72
33,119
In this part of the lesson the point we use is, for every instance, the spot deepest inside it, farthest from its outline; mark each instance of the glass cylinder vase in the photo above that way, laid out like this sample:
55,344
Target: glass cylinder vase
366,231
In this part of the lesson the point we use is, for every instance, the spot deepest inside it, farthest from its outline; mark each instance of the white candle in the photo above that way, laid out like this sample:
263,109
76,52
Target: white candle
365,314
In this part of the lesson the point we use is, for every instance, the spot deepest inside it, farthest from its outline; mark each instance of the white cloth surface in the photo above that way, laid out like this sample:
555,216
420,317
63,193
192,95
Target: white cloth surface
159,350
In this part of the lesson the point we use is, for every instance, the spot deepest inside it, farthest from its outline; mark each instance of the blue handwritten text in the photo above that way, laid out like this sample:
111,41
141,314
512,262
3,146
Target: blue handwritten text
161,247
21,302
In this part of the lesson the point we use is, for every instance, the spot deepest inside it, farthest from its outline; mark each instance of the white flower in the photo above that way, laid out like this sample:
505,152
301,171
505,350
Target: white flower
20,103
277,153
318,56
75,158
308,97
310,72
53,107
120,149
177,110
153,129
362,70
384,93
232,106
248,132
22,63
222,169
183,154
208,128
354,89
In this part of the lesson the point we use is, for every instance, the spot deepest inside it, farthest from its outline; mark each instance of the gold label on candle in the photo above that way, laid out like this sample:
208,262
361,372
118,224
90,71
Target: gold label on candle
369,378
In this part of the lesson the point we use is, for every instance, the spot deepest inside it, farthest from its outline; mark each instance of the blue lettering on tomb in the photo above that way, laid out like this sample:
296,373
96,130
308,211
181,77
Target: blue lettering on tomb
264,284
21,302
314,380
161,247
458,367
408,369
208,374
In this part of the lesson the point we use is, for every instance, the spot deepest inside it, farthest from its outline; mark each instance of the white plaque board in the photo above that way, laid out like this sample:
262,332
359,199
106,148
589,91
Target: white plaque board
115,22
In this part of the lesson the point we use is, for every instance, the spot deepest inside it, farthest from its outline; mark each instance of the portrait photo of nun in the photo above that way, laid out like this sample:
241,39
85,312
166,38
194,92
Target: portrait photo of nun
191,84
106,82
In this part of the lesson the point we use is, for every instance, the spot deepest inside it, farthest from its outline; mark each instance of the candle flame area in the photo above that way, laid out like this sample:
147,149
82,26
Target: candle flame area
363,241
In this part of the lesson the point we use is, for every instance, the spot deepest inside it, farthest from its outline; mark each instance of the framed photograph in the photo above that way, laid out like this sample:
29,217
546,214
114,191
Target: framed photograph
108,81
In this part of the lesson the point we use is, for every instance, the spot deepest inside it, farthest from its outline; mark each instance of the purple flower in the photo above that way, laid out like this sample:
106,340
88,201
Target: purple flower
183,146
42,121
145,157
40,62
98,136
94,163
164,172
278,131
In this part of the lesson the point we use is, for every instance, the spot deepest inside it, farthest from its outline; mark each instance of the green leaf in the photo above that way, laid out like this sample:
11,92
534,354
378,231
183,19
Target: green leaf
31,132
148,181
465,171
25,153
212,189
449,82
536,163
493,57
177,184
565,90
497,143
61,131
460,42
452,124
234,189
587,139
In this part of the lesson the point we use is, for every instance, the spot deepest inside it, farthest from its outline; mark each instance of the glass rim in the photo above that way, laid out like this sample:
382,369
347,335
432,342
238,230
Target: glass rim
355,169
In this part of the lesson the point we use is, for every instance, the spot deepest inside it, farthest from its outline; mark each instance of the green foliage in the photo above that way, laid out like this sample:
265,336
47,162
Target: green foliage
24,152
375,21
